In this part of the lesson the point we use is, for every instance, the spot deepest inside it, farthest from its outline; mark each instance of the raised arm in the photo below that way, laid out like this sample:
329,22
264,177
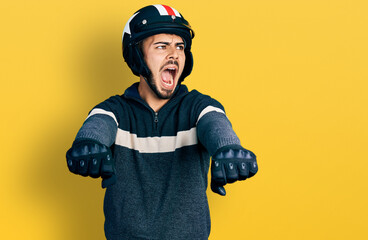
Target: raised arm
230,161
90,154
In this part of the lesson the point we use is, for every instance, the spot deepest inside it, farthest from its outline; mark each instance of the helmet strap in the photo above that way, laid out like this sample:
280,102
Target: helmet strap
155,90
152,88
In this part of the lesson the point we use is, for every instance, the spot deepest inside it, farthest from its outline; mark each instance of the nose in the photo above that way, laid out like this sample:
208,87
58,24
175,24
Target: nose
173,53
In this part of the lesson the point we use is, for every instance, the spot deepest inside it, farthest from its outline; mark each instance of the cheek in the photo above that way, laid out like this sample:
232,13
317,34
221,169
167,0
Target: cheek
152,64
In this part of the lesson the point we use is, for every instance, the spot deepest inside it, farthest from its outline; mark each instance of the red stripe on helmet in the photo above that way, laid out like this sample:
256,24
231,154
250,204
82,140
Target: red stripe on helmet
169,10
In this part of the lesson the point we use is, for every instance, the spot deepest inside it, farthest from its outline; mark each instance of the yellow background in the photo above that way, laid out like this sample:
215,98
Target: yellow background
292,76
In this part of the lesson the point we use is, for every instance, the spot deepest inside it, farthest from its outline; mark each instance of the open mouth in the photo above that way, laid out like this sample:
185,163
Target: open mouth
168,77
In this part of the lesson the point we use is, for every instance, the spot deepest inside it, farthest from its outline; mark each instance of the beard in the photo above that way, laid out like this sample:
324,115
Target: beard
164,94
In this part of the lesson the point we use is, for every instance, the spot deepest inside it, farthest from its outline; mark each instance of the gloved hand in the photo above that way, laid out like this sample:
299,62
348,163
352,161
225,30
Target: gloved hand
88,157
231,165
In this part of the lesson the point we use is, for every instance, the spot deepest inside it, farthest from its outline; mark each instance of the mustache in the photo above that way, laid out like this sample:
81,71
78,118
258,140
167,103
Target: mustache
170,62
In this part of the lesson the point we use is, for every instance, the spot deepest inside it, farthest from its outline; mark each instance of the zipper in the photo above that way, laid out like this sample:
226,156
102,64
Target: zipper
155,118
140,100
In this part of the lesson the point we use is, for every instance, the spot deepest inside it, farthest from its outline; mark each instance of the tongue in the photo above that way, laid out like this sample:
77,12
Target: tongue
166,76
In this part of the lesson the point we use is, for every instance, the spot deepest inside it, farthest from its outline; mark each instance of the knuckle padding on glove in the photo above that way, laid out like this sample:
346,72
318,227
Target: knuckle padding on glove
253,168
94,167
82,167
107,167
87,165
243,170
231,171
231,165
218,172
85,158
238,165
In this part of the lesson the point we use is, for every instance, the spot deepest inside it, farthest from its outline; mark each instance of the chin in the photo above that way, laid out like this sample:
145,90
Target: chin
166,94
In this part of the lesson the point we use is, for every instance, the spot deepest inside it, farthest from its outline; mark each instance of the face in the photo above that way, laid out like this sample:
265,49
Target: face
165,57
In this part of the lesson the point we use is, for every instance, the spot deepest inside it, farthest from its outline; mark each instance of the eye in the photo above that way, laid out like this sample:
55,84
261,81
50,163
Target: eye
180,47
161,47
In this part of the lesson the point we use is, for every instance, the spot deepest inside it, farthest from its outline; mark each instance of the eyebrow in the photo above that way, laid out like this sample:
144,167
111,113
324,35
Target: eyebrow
168,43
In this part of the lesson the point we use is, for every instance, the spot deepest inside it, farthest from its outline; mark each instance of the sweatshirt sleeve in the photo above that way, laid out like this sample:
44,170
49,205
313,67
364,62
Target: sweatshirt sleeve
214,129
101,124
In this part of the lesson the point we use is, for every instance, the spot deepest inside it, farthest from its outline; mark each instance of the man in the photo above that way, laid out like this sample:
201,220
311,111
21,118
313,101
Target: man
152,145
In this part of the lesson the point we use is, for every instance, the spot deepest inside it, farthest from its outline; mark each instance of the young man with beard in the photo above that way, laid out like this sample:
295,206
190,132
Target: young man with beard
152,145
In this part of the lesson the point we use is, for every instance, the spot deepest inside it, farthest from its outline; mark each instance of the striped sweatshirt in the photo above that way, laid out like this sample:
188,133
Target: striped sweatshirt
162,161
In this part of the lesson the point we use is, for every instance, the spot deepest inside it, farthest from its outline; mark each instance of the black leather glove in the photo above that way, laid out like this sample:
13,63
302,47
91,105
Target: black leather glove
231,165
88,157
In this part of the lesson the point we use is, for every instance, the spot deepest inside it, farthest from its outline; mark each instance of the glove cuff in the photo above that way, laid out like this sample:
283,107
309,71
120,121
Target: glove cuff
78,141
